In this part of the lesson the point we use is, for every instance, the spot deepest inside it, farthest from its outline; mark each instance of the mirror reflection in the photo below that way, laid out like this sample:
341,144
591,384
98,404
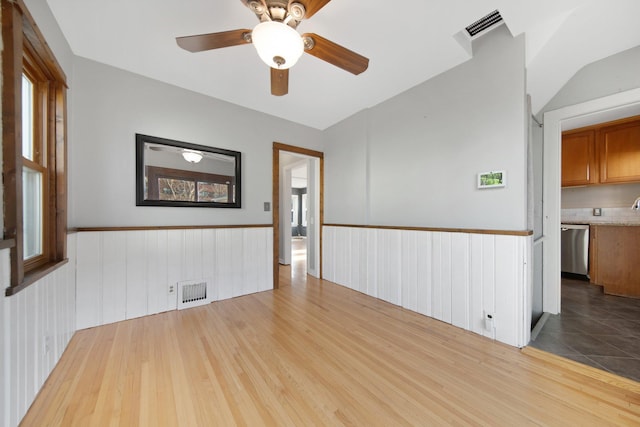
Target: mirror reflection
174,173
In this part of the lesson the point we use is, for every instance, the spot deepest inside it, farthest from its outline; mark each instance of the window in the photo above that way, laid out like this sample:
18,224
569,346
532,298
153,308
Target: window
34,168
34,148
180,185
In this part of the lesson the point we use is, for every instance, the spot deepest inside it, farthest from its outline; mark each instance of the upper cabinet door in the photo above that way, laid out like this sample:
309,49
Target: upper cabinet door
620,153
579,158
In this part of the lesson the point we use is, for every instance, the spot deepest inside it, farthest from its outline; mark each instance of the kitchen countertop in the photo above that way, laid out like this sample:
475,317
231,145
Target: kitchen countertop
622,223
610,216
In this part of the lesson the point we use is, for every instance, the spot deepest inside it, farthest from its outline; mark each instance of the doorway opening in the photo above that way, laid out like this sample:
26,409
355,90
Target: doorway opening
294,250
591,327
297,213
623,103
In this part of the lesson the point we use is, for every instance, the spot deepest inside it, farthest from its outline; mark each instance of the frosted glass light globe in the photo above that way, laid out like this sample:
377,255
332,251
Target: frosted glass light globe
192,156
278,45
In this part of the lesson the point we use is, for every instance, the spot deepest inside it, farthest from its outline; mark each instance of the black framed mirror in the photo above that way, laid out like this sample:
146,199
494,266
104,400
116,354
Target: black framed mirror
175,173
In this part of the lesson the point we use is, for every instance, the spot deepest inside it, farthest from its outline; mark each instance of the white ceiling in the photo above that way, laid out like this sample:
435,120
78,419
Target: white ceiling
407,43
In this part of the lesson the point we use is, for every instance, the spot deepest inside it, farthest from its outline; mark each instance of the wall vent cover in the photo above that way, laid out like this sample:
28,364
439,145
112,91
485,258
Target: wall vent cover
484,23
192,293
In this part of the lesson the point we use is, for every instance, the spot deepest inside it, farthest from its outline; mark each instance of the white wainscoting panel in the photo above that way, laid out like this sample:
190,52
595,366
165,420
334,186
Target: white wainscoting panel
457,278
126,274
38,323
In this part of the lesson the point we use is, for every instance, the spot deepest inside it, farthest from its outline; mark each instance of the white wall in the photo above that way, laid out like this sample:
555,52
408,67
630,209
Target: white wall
413,161
37,323
421,151
111,106
346,169
614,74
126,274
457,278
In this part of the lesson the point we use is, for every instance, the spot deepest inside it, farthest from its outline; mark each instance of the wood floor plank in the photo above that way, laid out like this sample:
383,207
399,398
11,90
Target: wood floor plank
315,353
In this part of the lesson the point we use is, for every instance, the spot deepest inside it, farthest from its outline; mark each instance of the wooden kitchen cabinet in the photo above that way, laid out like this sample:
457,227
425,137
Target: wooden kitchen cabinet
615,251
607,153
620,153
579,158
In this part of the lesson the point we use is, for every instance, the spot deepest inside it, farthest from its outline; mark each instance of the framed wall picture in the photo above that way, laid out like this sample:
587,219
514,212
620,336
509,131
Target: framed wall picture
494,179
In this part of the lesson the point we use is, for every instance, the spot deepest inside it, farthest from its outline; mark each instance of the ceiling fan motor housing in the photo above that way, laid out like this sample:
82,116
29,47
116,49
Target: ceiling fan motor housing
297,11
257,7
279,11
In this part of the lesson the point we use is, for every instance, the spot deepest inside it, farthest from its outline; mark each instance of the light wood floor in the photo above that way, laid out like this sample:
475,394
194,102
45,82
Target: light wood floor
314,353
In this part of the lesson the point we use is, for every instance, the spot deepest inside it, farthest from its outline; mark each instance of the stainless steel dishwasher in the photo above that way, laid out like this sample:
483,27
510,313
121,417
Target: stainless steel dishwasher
575,249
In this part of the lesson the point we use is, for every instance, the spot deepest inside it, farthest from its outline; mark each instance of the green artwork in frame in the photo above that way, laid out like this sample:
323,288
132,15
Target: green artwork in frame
494,179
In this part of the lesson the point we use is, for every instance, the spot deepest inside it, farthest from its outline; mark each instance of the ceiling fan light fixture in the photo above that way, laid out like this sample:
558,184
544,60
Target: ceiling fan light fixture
278,45
192,156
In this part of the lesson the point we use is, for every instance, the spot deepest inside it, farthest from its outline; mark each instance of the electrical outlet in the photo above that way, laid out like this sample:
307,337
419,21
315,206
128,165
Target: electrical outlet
172,289
488,322
267,206
597,211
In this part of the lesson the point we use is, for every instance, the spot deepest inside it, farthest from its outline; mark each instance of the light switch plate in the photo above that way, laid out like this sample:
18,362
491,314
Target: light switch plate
597,211
267,206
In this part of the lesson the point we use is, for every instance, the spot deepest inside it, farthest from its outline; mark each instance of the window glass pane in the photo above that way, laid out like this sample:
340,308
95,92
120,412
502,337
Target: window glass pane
176,190
32,212
27,118
213,192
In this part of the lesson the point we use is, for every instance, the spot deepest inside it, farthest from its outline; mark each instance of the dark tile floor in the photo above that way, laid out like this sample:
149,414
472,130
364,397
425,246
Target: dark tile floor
595,329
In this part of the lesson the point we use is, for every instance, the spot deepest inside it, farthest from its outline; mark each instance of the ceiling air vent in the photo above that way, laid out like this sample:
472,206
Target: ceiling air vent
483,23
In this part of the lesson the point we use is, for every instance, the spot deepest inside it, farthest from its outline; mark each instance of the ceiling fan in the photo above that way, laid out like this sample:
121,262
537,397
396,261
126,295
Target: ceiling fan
278,42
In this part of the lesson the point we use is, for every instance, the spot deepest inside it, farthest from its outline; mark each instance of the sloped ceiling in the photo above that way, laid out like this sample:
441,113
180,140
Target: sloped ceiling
407,42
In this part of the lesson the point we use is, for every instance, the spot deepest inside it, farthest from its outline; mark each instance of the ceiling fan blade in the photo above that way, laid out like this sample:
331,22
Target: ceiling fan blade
312,6
210,41
279,82
335,54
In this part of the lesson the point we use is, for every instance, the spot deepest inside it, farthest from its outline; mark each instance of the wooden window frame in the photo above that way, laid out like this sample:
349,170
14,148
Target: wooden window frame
26,49
40,162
